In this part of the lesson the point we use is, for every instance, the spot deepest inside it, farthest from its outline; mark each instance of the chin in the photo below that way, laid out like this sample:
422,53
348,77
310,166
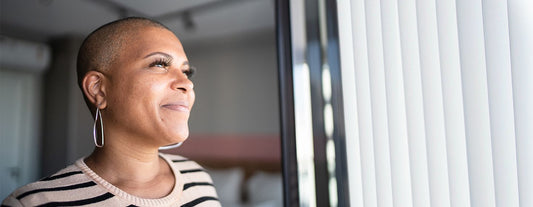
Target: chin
178,136
173,140
175,130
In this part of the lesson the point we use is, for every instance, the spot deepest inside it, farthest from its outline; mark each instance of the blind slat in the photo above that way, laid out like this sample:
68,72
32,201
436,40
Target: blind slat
379,106
364,107
477,124
396,115
500,91
414,103
521,39
453,103
353,153
433,103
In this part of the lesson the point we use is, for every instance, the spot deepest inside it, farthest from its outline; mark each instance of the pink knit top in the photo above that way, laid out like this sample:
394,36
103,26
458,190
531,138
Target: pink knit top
78,185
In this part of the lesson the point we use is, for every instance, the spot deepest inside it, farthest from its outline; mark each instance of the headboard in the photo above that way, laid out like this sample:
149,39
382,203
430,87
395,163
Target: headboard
252,152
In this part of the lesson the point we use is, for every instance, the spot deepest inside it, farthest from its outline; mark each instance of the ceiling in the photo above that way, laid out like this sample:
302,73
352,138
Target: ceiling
191,20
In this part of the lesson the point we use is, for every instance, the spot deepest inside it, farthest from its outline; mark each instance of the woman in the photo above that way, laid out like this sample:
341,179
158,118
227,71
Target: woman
135,78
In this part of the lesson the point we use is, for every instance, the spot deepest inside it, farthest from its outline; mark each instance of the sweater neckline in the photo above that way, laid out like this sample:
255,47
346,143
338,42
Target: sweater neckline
169,199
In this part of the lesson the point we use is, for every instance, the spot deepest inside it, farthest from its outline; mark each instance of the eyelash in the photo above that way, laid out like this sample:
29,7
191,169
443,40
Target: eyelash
163,62
189,72
166,62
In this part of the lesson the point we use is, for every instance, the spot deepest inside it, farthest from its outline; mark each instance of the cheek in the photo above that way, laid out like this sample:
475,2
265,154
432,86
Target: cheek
146,87
135,94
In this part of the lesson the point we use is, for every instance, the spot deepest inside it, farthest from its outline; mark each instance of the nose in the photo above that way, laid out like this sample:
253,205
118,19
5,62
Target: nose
182,83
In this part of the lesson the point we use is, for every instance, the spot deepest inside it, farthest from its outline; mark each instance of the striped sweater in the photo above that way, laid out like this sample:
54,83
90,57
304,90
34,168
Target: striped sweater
78,185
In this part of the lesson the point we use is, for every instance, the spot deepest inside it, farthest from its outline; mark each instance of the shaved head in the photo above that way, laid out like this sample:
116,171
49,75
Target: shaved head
103,46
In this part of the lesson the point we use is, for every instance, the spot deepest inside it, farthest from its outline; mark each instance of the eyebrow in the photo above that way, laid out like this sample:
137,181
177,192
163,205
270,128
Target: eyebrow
158,53
166,55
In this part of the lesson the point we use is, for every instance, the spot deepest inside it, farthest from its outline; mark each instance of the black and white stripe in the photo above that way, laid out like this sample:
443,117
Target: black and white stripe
188,185
75,186
180,160
62,188
53,177
94,200
192,170
199,200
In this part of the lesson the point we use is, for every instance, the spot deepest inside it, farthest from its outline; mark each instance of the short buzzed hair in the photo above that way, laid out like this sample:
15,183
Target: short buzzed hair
103,46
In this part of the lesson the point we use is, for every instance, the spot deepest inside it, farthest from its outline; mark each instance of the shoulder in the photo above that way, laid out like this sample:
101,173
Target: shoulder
198,186
67,175
50,188
173,157
188,169
182,163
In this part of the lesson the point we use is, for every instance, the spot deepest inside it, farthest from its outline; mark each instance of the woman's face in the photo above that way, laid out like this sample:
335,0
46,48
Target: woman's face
148,92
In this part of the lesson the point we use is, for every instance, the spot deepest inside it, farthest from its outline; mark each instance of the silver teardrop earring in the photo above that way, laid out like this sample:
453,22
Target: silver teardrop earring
98,114
170,146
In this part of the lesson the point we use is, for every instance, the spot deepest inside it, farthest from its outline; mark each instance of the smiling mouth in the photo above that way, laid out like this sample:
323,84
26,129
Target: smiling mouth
176,107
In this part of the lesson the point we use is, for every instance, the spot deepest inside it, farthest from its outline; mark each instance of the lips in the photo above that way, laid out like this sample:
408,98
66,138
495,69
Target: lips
177,106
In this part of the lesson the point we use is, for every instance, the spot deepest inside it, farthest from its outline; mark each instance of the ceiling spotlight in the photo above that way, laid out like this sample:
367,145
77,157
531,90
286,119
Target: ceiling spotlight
187,21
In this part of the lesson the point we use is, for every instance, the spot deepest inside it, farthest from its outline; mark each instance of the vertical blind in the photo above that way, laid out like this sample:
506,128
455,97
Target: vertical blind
438,98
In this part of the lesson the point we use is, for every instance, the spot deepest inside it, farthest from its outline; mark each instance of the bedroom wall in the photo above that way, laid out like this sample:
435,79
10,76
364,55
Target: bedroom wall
236,84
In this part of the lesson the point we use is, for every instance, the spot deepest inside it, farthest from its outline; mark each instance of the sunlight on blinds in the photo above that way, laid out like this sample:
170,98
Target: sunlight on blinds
441,94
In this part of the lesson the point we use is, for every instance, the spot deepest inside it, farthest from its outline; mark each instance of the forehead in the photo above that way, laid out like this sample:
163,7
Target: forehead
147,40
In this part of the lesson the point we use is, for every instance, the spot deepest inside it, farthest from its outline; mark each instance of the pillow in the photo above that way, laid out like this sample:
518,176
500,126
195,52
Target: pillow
228,184
265,189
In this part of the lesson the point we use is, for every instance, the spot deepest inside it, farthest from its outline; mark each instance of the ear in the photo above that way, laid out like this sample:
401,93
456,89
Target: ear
94,88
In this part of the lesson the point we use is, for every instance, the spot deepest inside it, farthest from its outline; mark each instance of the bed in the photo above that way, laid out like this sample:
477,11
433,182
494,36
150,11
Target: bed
246,169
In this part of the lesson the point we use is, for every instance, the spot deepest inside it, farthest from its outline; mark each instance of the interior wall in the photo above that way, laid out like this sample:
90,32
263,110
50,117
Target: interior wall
67,122
236,84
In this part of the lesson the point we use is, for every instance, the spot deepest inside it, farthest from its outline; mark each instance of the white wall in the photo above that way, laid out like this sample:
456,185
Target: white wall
236,84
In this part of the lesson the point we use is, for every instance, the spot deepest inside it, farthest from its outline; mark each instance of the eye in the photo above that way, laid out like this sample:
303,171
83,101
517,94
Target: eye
161,63
189,72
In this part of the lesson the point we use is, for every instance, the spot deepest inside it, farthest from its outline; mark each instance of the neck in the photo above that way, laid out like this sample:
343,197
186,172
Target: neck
120,162
131,163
